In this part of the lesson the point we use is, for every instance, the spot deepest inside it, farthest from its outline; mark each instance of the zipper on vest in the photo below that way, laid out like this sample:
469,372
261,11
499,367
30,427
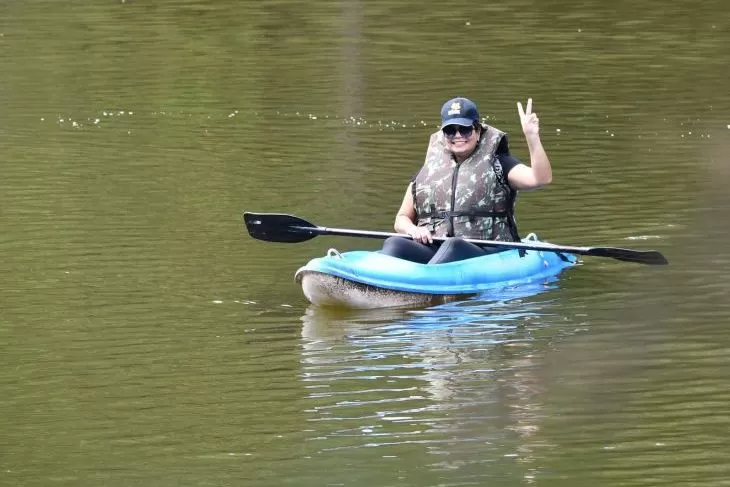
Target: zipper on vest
454,178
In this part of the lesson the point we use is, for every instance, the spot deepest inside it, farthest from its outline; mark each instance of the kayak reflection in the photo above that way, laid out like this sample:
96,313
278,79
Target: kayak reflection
460,378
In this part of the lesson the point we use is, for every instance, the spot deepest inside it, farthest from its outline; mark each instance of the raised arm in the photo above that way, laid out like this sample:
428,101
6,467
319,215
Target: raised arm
539,173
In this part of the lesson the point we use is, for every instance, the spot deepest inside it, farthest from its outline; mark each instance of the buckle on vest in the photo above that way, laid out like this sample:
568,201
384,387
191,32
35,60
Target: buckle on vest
432,223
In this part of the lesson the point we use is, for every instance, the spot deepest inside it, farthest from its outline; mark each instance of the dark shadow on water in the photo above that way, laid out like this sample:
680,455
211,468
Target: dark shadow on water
504,305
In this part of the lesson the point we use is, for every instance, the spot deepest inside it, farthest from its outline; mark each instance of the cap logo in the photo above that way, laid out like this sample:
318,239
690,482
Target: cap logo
455,108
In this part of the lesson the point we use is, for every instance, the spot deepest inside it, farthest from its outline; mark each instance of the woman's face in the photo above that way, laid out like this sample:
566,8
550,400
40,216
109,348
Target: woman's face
460,140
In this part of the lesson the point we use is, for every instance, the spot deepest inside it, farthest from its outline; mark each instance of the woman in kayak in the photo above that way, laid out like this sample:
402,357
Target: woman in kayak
467,187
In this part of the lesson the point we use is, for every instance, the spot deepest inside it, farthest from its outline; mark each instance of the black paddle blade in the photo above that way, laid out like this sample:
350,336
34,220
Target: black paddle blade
277,227
650,257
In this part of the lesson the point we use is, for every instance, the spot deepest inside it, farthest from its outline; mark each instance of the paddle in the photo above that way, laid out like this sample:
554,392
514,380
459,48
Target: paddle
277,227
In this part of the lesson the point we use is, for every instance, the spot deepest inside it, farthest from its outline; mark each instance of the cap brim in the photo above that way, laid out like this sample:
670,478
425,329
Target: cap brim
464,122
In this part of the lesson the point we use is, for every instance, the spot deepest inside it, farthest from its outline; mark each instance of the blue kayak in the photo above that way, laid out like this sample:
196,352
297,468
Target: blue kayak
365,279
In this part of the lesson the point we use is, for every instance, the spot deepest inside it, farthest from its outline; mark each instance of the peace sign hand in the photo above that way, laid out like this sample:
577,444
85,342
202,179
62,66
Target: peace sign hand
529,120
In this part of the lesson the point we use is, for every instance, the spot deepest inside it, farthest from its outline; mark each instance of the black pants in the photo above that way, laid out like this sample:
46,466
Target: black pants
451,250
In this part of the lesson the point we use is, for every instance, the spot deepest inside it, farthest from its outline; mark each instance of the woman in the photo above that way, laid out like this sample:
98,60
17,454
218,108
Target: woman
467,187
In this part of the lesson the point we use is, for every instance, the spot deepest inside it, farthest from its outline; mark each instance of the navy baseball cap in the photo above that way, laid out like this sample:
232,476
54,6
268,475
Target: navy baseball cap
459,111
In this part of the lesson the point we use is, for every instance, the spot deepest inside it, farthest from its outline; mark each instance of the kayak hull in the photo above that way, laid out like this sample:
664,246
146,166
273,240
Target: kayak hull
364,279
327,290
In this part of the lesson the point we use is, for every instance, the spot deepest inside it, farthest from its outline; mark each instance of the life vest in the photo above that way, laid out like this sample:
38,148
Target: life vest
471,199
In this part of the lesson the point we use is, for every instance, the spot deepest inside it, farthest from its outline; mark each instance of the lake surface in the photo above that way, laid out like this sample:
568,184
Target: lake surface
146,339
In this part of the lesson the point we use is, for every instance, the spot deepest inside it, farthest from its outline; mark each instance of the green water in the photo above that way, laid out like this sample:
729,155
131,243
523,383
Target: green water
145,339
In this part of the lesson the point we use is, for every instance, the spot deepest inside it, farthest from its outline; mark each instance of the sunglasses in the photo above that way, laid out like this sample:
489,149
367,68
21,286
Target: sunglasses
451,130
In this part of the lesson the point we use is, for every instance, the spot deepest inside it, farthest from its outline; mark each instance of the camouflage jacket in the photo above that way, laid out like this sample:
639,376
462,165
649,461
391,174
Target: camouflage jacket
471,199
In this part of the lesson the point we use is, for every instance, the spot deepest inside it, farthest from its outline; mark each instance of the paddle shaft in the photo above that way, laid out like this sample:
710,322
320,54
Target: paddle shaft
278,227
650,257
344,232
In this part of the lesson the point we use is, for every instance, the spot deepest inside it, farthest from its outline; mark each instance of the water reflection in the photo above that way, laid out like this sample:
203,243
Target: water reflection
457,380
